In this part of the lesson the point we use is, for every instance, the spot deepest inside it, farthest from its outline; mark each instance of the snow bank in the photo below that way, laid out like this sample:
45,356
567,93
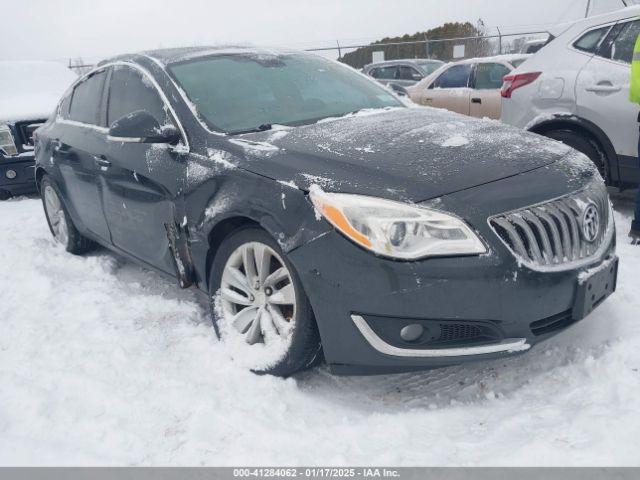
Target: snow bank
103,362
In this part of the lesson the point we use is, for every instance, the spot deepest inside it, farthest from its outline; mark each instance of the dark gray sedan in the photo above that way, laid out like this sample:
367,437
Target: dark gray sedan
321,217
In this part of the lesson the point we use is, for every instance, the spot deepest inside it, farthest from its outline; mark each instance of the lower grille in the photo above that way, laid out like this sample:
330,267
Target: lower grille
552,323
456,332
557,233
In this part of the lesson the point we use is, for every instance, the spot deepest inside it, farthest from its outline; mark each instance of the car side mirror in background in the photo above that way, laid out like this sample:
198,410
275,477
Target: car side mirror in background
416,76
399,90
141,127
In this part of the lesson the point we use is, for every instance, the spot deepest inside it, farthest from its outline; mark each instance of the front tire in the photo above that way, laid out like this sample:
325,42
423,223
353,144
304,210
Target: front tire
5,195
60,223
259,308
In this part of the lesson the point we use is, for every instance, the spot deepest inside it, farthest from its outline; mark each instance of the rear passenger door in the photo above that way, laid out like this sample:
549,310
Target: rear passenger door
142,180
602,93
78,139
487,82
450,90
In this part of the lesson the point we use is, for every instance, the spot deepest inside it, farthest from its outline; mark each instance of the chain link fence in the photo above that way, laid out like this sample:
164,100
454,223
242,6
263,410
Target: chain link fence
445,49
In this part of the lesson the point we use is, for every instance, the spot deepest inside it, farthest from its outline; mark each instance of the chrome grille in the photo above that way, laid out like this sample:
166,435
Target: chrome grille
552,234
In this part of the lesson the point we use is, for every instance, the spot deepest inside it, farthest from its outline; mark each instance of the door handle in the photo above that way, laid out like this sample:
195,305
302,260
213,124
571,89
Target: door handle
101,161
476,100
604,88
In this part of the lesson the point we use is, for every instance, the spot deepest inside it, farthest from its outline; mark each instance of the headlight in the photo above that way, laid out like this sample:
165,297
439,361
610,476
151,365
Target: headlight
7,144
396,229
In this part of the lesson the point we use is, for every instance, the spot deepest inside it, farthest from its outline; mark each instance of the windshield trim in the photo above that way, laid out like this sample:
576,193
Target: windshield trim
215,130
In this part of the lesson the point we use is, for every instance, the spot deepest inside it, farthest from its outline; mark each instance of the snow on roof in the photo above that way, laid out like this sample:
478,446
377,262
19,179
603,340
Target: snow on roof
31,90
171,55
496,58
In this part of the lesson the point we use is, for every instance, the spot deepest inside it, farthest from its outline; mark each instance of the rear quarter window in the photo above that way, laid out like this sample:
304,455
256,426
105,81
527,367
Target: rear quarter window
590,41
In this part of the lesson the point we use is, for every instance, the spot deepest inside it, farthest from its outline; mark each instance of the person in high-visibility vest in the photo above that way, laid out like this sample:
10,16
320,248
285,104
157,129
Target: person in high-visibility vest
634,96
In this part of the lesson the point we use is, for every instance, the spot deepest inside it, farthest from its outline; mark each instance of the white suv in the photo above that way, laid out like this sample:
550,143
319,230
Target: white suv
576,90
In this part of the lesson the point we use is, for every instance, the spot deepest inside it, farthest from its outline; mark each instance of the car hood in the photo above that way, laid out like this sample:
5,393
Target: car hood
413,154
32,107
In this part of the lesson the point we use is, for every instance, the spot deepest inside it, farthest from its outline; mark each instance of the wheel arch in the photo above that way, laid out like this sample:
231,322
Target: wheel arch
222,230
585,128
39,174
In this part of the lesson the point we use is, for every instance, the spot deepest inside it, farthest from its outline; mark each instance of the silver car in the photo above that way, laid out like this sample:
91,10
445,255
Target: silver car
403,73
576,90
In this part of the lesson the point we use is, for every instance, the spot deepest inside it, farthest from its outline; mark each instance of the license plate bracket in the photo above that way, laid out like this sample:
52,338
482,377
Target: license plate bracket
594,288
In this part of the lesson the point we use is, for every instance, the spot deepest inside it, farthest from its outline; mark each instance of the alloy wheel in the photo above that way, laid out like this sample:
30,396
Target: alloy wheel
56,215
257,294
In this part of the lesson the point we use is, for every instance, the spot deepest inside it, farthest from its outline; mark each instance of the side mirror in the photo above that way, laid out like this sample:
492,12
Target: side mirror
399,90
141,127
417,77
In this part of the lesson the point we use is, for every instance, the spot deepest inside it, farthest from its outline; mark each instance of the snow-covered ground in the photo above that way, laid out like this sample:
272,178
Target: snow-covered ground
105,363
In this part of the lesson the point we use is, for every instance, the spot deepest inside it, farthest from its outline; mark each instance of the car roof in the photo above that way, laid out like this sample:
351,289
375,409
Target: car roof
615,15
167,56
508,58
413,61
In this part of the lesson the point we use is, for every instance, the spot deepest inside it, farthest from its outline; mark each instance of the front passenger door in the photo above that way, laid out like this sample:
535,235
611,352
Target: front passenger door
141,181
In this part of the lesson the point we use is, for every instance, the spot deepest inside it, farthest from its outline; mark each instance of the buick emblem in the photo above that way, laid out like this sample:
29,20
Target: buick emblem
590,223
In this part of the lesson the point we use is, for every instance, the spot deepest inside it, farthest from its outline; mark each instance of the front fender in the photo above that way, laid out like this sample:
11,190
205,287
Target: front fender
237,195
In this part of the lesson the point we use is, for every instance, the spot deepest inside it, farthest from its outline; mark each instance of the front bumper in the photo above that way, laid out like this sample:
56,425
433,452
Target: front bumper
472,308
24,168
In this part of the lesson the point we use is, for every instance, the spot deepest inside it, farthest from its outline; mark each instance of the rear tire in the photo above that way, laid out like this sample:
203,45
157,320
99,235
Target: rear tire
583,144
281,342
60,223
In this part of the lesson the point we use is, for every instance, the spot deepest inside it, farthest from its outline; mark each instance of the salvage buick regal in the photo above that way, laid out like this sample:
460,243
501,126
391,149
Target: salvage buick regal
322,217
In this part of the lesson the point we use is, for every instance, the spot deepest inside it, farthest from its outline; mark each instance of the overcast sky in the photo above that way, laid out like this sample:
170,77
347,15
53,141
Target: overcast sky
60,29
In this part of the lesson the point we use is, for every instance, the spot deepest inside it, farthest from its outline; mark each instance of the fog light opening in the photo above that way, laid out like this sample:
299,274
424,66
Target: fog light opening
10,174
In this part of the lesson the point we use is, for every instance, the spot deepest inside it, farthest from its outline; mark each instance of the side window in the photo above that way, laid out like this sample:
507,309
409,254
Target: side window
620,42
87,98
489,76
408,73
455,77
129,92
384,73
589,41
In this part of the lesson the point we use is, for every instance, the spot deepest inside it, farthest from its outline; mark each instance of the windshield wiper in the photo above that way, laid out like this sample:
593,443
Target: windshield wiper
260,128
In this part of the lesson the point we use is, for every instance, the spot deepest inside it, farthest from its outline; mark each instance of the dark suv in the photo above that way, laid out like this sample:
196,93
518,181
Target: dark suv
29,92
321,216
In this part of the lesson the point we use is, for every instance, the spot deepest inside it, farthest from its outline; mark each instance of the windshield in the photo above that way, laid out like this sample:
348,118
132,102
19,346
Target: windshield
429,67
239,93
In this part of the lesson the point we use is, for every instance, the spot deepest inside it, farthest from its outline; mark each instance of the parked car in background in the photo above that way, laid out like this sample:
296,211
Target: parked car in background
403,73
471,87
199,164
29,92
576,90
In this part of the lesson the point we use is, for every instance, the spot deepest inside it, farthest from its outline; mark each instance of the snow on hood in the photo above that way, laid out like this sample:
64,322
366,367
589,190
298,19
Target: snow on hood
31,90
414,154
